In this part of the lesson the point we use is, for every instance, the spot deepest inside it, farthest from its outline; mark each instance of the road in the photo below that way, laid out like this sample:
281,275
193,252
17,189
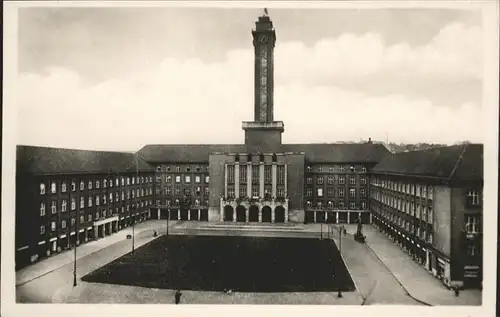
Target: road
373,280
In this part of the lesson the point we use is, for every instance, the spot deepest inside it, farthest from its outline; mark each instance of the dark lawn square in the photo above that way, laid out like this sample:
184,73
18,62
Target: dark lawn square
243,264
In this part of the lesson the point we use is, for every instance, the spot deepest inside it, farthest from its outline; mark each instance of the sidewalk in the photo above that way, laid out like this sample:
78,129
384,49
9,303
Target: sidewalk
53,263
419,283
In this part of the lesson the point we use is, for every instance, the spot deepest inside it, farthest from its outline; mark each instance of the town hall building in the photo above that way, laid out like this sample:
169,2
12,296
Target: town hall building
66,197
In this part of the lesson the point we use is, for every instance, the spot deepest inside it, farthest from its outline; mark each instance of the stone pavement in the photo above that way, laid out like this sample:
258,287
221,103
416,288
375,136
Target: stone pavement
121,294
56,261
417,281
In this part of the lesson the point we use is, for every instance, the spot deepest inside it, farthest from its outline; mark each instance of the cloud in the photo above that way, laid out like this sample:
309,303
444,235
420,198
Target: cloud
194,102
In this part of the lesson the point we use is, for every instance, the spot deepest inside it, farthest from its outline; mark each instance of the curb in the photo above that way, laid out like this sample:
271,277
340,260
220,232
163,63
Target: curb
399,282
67,263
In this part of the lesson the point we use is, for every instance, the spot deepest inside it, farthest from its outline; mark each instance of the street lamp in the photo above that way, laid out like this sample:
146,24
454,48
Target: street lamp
76,237
340,229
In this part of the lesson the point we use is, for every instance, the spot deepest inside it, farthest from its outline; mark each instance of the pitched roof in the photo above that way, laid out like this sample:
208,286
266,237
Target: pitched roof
339,152
46,160
464,162
315,153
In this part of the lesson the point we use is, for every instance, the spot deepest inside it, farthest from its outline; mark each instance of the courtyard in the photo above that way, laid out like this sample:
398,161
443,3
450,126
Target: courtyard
242,264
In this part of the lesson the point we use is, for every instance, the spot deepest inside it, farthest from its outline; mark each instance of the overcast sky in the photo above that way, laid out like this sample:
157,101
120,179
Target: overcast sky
119,78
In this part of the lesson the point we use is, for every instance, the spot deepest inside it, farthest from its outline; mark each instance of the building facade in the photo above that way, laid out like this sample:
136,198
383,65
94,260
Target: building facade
430,204
69,197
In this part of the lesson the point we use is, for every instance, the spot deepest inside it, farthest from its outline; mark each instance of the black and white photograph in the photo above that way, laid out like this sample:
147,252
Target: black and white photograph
291,157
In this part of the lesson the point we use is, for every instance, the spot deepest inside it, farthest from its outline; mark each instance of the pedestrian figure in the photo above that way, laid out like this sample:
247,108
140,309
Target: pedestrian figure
178,295
457,291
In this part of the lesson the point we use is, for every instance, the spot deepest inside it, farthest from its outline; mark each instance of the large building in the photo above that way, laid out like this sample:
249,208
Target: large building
66,197
430,203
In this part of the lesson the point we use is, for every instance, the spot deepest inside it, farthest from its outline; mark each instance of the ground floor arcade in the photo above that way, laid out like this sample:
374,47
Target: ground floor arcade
424,254
254,213
65,241
180,214
337,216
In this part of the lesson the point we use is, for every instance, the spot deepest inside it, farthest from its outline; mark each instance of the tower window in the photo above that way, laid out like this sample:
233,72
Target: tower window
275,158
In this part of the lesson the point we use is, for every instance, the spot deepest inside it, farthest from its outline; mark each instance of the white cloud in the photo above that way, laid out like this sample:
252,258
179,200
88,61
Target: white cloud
193,102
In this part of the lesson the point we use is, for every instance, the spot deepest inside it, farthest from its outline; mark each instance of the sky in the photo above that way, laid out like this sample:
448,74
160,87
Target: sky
120,78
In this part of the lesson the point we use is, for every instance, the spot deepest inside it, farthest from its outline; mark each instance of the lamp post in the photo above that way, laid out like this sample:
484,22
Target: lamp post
341,229
76,239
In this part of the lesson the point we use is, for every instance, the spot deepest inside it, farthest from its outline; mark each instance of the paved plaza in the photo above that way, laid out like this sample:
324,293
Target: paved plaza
382,273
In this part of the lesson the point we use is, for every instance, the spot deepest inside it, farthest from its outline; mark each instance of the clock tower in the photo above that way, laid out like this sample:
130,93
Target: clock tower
263,134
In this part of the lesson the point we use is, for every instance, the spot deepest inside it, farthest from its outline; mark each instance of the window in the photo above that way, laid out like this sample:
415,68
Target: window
111,182
309,192
255,192
331,169
281,175
243,191
89,218
320,192
97,200
352,180
363,169
123,181
105,183
64,205
207,179
341,204
97,215
267,174
53,226
330,192
73,186
320,168
177,191
243,174
63,187
42,229
53,206
197,179
168,191
362,192
352,205
473,198
363,204
280,193
89,185
362,180
63,224
471,224
352,192
110,197
187,191
329,180
42,189
342,169
341,192
309,180
255,174
82,202
104,212
178,179
230,174
133,181
319,180
123,196
230,192
128,181
73,203
341,180
82,185
53,188
309,168
207,191
42,209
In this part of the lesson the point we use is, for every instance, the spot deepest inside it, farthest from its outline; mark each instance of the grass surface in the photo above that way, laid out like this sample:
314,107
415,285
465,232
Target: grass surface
243,264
